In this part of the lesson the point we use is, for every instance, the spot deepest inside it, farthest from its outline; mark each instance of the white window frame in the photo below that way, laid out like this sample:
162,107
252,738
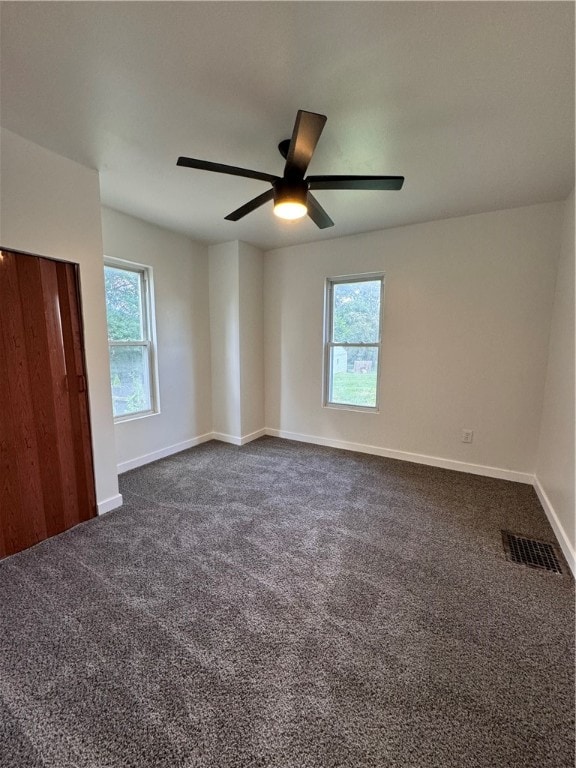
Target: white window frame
329,343
149,333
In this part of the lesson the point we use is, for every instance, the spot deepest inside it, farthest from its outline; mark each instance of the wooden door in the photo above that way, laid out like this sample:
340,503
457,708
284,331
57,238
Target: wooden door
46,473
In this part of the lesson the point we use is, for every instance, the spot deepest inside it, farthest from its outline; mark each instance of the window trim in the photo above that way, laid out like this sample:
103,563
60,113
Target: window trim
329,344
149,336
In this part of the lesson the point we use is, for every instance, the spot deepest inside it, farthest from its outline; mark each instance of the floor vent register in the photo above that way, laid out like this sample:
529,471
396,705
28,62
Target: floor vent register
534,554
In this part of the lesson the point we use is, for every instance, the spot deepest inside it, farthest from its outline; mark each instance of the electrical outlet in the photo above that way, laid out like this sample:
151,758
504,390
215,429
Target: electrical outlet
467,435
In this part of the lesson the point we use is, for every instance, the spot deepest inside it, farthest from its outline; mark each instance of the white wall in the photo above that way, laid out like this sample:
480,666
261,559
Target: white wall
50,206
556,463
180,276
466,323
251,307
225,339
237,338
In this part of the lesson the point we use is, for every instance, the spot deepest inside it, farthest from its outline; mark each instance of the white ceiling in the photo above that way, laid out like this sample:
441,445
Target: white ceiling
473,102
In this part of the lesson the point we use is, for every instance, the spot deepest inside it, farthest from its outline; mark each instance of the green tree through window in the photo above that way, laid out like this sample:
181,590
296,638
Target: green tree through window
123,304
129,340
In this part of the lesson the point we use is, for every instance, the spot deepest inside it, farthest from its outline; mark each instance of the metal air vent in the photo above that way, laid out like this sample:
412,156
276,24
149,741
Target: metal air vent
535,554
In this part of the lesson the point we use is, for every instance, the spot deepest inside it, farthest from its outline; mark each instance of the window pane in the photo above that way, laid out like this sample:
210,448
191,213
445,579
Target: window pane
353,373
356,312
130,376
124,305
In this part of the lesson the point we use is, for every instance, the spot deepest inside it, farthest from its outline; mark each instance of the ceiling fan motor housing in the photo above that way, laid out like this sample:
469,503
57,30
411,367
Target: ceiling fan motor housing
290,190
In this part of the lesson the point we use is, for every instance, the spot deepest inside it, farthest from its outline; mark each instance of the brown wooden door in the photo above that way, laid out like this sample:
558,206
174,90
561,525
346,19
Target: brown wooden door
46,474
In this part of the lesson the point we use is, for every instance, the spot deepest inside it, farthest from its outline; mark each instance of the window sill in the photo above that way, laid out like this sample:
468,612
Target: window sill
134,416
355,408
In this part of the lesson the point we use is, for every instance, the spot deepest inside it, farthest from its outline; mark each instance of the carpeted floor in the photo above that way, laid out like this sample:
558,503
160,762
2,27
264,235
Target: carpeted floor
283,605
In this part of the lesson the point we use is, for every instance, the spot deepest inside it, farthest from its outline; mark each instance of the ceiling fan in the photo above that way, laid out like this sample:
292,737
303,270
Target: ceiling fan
291,192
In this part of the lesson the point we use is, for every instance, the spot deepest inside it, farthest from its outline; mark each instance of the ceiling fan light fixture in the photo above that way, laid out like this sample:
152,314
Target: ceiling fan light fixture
290,199
290,210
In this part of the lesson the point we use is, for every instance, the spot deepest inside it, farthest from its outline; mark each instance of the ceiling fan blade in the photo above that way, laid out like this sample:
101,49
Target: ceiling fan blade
355,182
307,130
318,214
232,170
239,213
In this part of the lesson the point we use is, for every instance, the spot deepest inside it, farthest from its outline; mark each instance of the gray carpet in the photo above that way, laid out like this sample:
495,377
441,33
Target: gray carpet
282,605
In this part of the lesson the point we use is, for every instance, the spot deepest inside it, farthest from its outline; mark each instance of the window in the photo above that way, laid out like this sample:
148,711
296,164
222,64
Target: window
128,311
352,341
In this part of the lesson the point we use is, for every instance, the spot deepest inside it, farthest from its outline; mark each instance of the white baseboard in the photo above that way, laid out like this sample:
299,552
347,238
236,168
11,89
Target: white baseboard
146,458
109,504
417,458
563,539
252,436
224,438
234,440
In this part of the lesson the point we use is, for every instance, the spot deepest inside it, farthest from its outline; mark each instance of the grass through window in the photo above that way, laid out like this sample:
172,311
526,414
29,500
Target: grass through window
354,388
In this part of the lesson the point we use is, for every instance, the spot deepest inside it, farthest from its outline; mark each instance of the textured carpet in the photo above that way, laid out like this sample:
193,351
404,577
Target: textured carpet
282,605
